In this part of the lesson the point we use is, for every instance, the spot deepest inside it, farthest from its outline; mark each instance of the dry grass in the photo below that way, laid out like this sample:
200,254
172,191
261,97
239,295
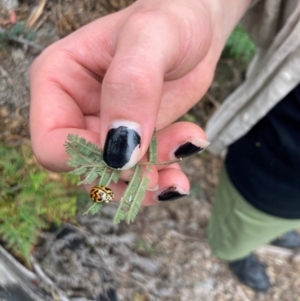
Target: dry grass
164,255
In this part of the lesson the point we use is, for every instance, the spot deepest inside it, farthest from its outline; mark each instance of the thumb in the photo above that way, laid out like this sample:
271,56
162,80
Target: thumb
132,89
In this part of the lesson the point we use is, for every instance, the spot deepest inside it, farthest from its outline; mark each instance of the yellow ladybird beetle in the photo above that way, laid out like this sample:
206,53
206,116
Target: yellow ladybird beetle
100,194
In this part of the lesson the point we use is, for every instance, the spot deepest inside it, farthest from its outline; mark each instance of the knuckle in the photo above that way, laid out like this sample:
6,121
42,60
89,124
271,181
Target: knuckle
134,82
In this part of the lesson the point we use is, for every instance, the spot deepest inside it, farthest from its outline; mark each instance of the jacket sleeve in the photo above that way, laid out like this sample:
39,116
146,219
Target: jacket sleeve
274,26
265,18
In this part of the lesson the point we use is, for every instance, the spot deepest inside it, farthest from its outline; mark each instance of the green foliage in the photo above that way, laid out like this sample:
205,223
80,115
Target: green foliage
17,30
239,45
152,151
145,247
132,198
30,199
139,297
87,161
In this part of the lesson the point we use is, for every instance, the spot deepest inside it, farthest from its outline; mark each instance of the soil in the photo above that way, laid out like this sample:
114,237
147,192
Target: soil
164,255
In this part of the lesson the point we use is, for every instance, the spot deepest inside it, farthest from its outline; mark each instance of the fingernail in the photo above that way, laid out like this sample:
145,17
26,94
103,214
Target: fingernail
192,146
122,145
170,194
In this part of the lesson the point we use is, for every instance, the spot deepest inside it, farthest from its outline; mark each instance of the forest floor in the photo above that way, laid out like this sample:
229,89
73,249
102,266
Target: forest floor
164,255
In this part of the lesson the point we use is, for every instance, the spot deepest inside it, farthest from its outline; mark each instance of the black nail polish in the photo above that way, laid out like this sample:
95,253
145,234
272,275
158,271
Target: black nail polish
186,150
120,144
170,194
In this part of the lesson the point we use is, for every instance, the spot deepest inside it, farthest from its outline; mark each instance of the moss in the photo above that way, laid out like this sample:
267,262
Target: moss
31,199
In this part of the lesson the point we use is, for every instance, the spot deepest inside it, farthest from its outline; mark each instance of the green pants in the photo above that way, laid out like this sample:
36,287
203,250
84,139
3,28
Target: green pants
236,228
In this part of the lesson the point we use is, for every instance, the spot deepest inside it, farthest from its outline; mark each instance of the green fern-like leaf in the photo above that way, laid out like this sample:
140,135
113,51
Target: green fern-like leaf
79,171
152,151
135,203
104,179
94,208
108,176
86,158
129,195
87,161
91,175
82,152
115,176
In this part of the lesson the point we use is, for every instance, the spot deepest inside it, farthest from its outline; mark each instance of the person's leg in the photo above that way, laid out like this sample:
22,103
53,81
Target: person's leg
236,229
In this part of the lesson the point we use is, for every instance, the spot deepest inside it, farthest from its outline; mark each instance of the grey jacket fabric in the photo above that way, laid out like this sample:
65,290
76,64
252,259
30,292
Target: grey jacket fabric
274,25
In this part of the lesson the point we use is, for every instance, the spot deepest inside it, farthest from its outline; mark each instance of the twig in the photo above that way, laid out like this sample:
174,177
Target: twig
5,74
55,290
212,99
35,15
278,251
14,189
161,163
19,268
28,43
103,265
183,236
22,41
40,23
122,274
242,294
273,250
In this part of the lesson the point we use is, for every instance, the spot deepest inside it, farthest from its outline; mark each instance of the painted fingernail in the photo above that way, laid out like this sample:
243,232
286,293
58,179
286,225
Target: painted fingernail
170,194
192,146
122,145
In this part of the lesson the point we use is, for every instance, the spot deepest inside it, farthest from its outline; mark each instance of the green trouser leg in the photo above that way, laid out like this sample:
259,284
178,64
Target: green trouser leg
236,228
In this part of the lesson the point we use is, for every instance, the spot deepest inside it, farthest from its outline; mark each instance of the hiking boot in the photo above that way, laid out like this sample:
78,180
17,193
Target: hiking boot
290,240
251,272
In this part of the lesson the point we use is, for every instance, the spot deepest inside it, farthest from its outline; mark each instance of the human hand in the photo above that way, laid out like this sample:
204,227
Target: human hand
126,74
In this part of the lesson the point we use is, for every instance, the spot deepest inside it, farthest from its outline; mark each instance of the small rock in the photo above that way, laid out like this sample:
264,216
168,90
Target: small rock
207,285
18,55
9,4
4,112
